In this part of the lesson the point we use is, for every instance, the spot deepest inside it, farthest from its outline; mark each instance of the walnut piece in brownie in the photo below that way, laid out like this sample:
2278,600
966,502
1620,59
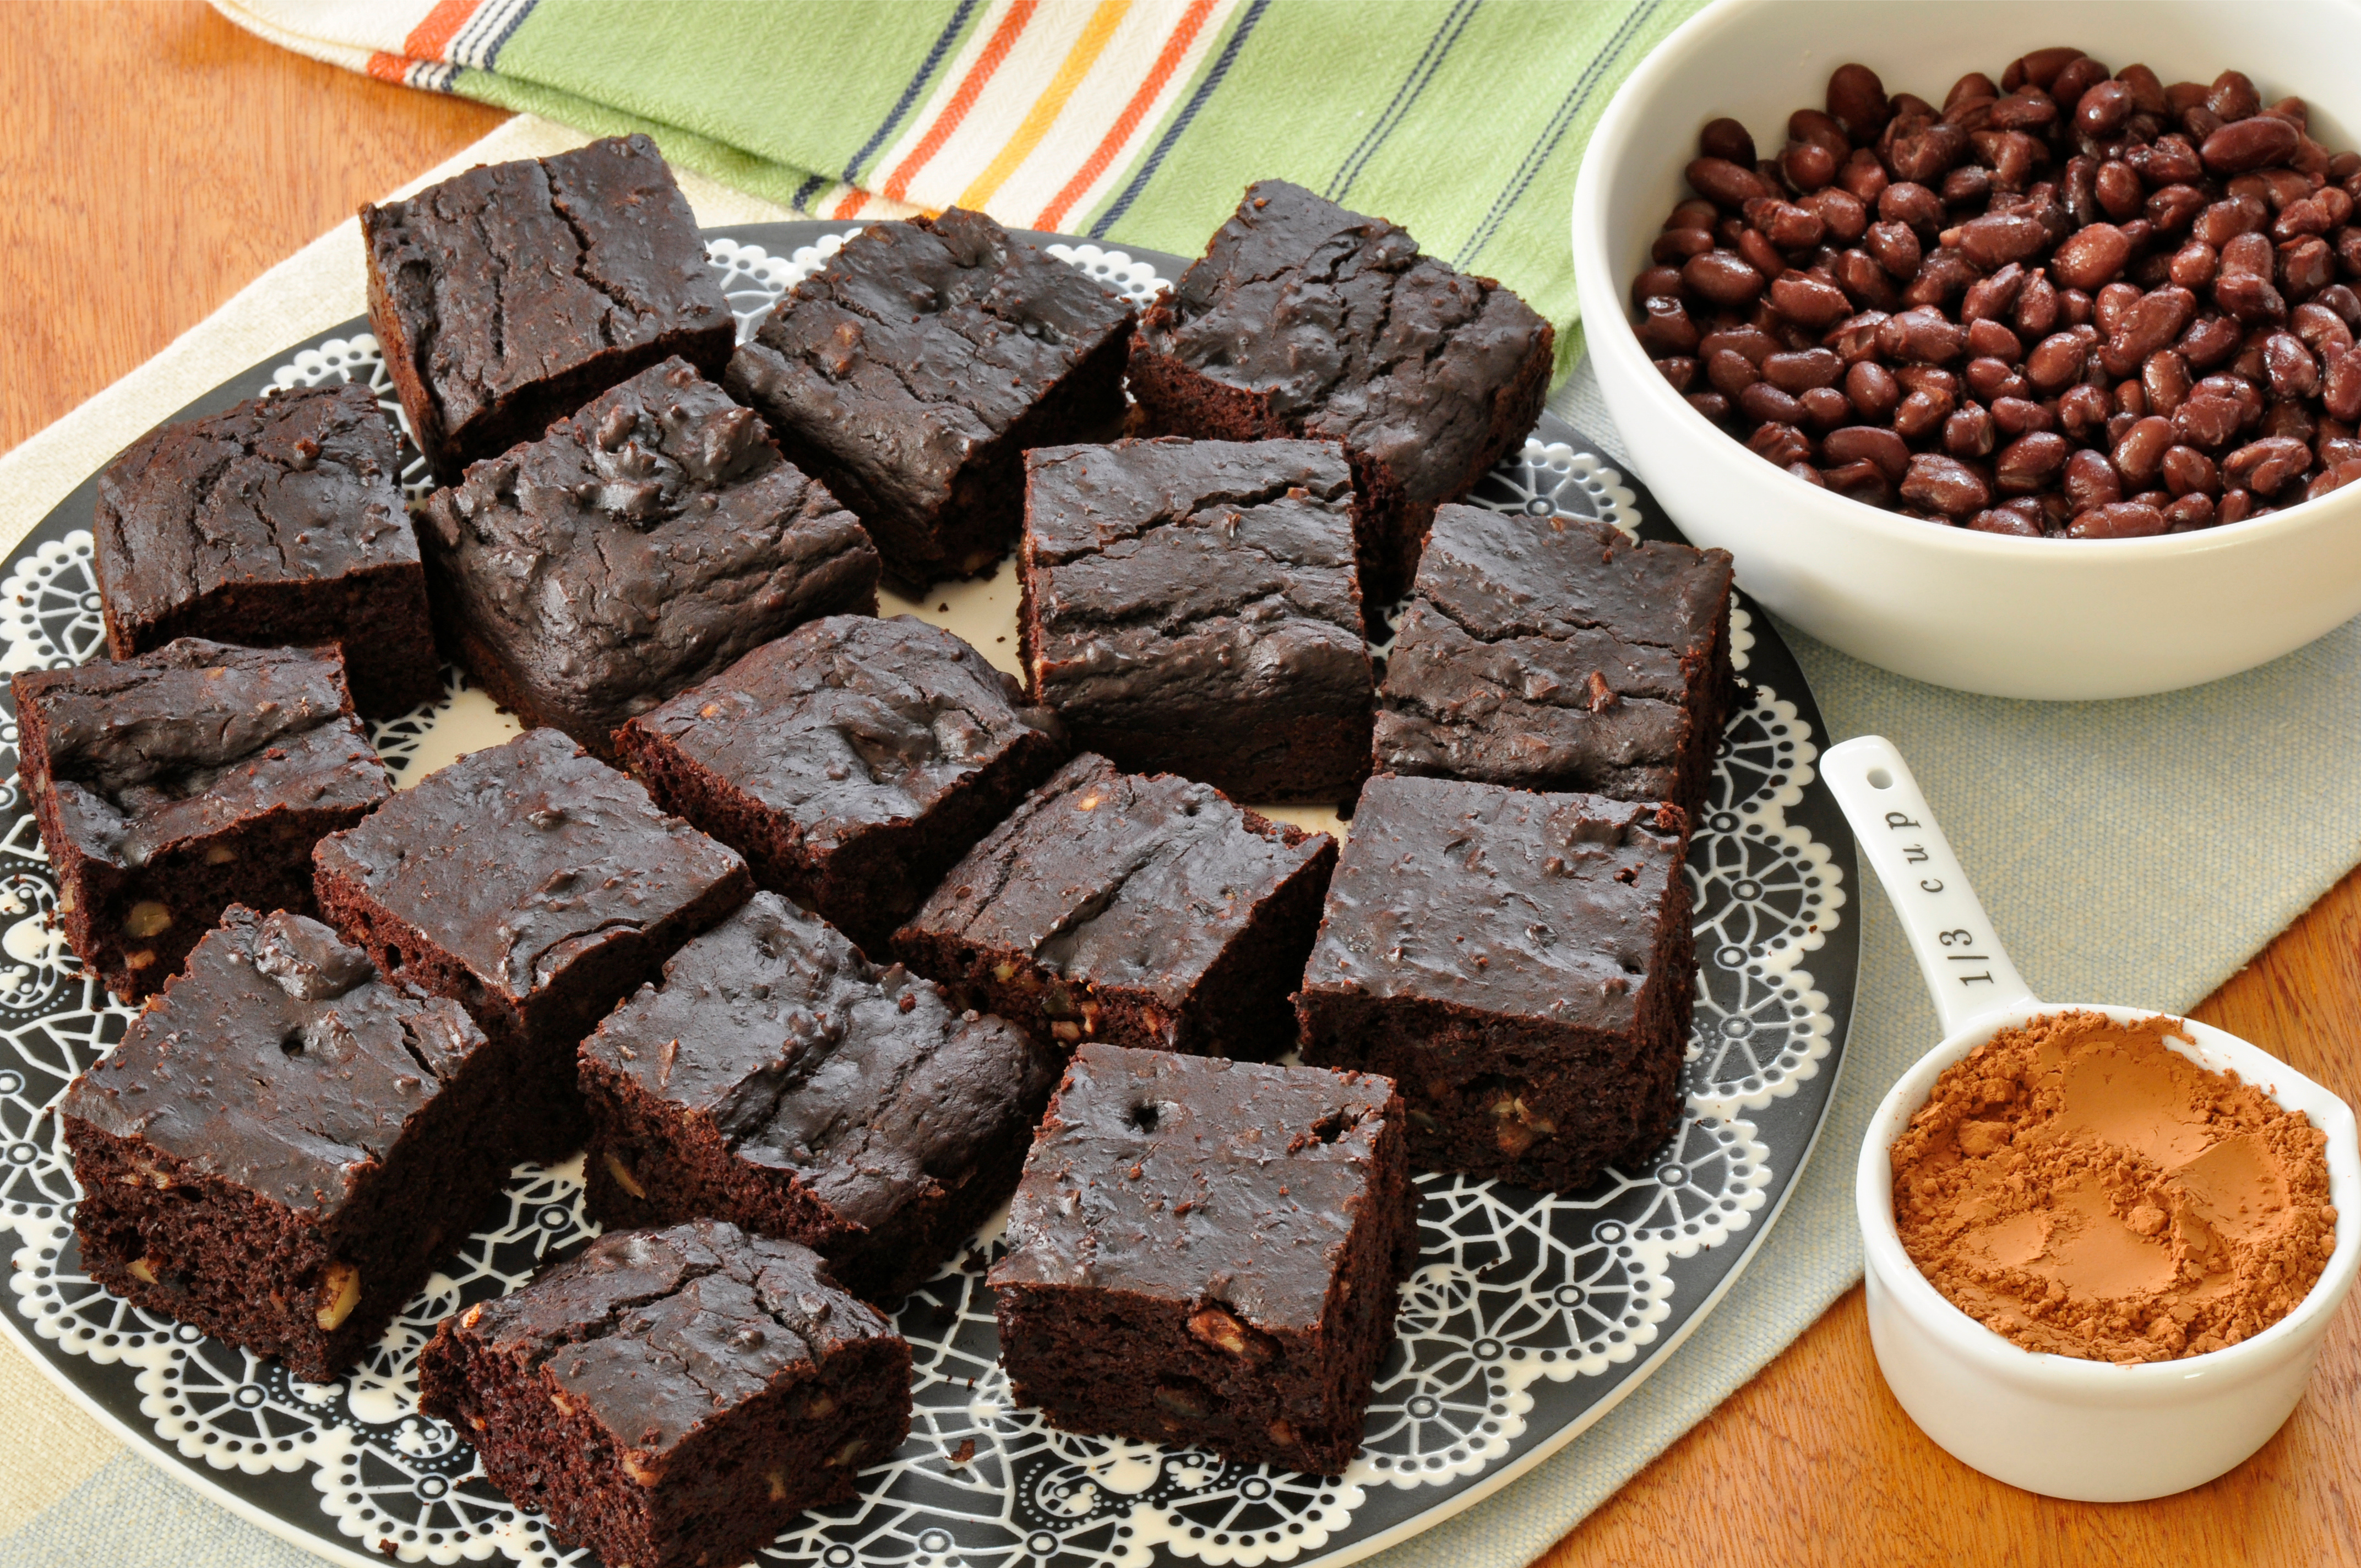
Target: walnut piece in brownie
672,1398
1304,319
176,783
276,522
1555,653
1521,964
778,1080
284,1144
912,371
851,761
1207,1254
537,886
1191,607
636,548
505,296
1149,911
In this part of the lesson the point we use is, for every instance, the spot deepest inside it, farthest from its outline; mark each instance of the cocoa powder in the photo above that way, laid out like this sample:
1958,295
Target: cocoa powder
2079,1187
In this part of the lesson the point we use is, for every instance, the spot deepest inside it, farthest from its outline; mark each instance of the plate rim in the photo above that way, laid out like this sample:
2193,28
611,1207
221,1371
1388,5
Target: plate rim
782,237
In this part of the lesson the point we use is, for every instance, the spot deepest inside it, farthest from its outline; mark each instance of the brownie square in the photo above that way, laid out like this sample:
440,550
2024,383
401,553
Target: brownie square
636,548
505,296
538,887
1207,1254
284,1142
278,523
779,1080
1148,912
1521,964
852,762
1304,319
1556,654
173,784
1191,607
913,370
672,1398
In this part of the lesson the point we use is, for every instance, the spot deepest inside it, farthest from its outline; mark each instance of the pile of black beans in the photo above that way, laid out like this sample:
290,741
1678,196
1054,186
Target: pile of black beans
2073,304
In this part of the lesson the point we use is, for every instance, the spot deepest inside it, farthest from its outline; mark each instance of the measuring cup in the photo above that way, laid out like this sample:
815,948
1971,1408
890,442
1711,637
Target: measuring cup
2054,1424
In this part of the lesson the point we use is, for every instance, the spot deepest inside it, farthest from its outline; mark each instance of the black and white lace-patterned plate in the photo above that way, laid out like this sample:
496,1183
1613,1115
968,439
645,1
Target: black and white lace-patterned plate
1529,1317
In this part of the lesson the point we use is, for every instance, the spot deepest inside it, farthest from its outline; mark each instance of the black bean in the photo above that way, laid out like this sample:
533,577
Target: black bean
2139,454
2091,480
1762,401
1728,141
1945,484
2090,257
1857,98
1871,387
1808,300
2117,520
2031,462
1722,277
1803,369
1726,182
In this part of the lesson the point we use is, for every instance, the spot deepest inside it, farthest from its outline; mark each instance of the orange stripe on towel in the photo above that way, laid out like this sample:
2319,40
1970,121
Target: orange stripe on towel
1004,39
1168,60
431,36
1052,102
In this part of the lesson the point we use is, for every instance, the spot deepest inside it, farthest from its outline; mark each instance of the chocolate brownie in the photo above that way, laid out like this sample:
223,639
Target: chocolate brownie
672,1398
537,886
1555,653
505,296
1521,964
1304,319
278,523
1149,911
1191,607
778,1081
173,784
284,1144
1207,1255
633,551
852,762
913,369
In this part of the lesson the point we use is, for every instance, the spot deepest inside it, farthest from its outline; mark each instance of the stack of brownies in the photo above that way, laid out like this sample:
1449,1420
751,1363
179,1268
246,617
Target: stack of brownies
821,933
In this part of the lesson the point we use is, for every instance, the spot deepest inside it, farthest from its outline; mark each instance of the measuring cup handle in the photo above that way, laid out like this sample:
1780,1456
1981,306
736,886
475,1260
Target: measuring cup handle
1967,971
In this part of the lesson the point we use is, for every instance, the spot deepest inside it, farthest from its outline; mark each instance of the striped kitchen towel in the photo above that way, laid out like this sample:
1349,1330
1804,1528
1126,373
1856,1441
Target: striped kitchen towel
1136,120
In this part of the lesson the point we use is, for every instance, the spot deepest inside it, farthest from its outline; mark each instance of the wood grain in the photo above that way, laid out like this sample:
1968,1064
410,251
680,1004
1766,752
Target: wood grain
157,159
161,158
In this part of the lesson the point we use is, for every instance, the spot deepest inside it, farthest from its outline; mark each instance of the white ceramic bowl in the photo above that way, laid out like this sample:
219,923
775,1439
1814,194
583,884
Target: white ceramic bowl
2089,1430
2033,618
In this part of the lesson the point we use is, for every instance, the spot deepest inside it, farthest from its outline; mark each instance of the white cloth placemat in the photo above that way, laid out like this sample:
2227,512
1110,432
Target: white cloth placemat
2132,851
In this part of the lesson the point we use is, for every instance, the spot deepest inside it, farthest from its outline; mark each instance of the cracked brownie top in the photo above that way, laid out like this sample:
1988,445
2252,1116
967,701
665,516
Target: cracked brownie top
299,487
864,1083
581,856
636,548
1500,901
853,722
191,739
514,275
1172,580
657,1332
919,344
1350,334
1197,1178
1551,649
277,1060
1117,879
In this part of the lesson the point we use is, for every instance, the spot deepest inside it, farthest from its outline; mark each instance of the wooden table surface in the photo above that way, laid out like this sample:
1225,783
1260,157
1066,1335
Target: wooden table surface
163,158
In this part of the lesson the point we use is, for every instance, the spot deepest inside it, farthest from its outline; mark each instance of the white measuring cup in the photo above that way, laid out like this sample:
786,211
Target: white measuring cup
2053,1425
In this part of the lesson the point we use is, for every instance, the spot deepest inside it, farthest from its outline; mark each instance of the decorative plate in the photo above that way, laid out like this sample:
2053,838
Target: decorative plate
1529,1316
